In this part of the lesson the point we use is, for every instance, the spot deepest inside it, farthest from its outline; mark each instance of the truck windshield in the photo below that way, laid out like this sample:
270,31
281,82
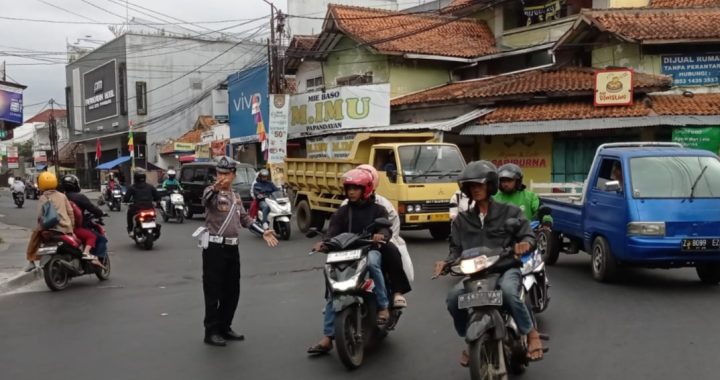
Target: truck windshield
430,163
674,177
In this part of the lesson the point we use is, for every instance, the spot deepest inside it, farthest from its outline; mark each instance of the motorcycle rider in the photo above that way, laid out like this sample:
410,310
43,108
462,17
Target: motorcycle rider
70,186
18,186
360,212
483,225
142,194
262,188
112,184
513,191
171,183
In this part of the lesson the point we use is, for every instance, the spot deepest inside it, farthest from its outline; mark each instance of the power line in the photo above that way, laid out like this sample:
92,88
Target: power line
65,10
70,22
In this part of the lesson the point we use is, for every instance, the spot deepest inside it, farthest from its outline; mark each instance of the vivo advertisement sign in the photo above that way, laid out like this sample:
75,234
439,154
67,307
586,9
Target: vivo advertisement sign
247,89
11,106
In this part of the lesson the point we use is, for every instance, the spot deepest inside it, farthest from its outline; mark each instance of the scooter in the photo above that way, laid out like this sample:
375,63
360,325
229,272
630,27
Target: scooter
350,288
279,216
146,229
172,206
19,198
61,257
495,345
115,201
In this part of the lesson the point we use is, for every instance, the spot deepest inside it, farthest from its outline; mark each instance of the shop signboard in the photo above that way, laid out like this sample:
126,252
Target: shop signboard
184,147
278,128
532,152
692,69
613,87
245,88
11,105
707,138
202,152
349,107
13,159
100,92
335,146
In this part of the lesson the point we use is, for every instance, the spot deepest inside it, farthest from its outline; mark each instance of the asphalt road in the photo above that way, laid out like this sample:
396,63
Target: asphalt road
146,322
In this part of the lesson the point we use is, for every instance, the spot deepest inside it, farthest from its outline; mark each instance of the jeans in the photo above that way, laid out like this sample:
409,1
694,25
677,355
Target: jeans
380,291
510,283
263,206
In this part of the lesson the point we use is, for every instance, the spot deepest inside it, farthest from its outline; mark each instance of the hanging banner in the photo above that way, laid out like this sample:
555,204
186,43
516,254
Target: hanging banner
277,173
13,160
698,138
202,152
40,157
613,87
278,128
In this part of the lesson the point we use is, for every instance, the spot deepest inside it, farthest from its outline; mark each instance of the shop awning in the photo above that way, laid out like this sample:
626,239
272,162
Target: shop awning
41,167
111,164
186,159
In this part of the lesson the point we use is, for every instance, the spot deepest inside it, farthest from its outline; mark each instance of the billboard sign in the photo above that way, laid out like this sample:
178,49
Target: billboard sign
692,69
13,159
707,138
278,128
349,107
11,105
614,87
100,92
243,87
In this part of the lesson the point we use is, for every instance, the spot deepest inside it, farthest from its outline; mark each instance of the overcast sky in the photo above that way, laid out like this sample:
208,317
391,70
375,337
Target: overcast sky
48,81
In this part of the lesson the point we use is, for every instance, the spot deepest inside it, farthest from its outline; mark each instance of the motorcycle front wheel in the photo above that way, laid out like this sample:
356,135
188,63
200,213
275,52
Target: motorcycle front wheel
487,360
56,277
350,349
104,274
283,230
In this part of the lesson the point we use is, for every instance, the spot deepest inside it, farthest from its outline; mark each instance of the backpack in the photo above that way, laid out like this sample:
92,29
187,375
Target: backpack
49,216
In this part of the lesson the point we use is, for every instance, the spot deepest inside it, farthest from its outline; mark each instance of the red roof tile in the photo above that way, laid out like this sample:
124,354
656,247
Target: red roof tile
552,82
44,116
658,24
561,111
698,104
397,33
683,3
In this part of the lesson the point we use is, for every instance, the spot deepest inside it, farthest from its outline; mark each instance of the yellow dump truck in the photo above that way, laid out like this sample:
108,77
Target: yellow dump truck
417,174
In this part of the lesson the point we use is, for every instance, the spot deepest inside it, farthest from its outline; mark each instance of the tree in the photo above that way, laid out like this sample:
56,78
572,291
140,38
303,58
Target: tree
25,149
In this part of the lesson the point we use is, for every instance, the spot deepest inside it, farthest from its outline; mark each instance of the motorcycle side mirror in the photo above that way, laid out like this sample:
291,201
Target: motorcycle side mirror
544,211
312,232
512,226
383,222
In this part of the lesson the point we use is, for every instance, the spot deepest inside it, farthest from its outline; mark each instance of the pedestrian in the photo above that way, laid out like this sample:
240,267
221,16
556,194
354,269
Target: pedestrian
225,216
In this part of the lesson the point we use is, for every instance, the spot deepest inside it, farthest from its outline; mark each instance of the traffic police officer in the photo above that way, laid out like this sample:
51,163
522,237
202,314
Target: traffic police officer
221,258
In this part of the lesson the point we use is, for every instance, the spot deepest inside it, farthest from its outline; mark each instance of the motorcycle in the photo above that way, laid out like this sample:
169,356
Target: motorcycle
279,216
172,206
115,200
495,345
146,229
19,198
61,257
535,276
350,288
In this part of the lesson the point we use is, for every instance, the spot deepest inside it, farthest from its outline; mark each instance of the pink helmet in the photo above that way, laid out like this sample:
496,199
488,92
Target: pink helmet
373,172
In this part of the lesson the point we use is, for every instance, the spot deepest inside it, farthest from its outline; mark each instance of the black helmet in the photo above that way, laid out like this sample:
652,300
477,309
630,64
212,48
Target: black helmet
225,165
139,176
514,172
69,184
479,172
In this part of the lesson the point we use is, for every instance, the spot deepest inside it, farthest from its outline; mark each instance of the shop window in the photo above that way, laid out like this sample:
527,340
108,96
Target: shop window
522,13
141,97
314,84
355,80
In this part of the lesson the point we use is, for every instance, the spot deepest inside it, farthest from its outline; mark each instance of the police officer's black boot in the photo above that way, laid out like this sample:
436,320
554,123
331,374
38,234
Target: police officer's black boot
215,339
229,334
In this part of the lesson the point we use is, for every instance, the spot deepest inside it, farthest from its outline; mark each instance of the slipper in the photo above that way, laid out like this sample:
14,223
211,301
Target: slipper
539,349
399,302
319,350
464,359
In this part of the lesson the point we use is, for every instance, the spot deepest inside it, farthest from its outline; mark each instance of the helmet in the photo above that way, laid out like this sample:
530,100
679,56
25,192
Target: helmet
171,174
358,177
69,184
373,172
47,181
479,172
512,171
139,176
225,165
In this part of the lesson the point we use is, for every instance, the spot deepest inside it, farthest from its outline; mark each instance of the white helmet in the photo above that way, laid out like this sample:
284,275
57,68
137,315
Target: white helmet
171,174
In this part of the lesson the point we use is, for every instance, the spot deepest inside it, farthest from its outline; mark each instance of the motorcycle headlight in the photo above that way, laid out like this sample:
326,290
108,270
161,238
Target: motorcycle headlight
476,264
343,286
646,228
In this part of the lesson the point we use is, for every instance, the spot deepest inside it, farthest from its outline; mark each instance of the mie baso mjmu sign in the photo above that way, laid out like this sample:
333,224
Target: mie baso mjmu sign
347,107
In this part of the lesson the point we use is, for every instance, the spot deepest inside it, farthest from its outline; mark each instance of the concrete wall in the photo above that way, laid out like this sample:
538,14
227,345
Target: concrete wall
317,9
536,34
348,60
412,76
308,70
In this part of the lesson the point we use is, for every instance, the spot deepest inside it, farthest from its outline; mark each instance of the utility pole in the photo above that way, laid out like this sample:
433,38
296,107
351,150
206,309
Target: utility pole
272,51
54,137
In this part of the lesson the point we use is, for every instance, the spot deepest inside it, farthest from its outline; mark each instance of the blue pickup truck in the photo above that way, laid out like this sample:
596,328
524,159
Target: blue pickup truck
653,205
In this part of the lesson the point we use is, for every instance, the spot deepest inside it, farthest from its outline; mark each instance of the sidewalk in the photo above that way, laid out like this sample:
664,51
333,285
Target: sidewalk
12,258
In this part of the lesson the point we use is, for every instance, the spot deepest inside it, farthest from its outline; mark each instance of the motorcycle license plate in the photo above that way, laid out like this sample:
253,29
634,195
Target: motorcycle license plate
480,298
179,207
336,257
47,250
148,225
697,245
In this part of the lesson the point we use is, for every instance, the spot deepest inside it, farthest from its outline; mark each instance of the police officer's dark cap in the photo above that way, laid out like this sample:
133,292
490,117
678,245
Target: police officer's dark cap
225,165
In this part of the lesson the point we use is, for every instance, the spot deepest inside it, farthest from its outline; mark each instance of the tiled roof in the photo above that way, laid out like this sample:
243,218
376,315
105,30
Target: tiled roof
658,24
44,116
561,111
698,104
301,45
684,3
558,82
398,33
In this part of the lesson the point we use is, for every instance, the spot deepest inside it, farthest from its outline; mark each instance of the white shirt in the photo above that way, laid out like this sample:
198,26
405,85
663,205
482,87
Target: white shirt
18,187
461,203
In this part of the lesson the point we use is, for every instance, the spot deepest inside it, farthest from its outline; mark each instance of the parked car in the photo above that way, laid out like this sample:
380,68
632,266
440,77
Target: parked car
196,176
652,205
31,189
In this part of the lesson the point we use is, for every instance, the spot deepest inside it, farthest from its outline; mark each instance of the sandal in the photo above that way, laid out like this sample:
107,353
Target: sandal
399,302
319,349
535,342
464,359
382,320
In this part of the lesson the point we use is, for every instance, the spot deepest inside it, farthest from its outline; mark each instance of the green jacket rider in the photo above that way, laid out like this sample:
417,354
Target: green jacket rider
171,183
513,191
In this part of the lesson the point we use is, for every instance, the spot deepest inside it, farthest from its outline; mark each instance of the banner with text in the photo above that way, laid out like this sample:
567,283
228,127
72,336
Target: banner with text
317,113
278,128
699,138
693,69
13,160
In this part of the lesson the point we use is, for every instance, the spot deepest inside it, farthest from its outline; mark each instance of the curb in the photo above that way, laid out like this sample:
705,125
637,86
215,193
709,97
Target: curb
20,280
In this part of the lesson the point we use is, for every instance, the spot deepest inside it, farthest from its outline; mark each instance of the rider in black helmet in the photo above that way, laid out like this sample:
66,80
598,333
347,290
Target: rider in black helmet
483,225
70,185
142,195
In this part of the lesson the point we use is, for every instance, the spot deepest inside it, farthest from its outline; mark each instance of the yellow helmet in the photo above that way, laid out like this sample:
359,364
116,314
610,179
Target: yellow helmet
47,181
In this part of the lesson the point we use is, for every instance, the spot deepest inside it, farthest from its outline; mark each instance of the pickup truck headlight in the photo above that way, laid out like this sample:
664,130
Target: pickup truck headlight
646,228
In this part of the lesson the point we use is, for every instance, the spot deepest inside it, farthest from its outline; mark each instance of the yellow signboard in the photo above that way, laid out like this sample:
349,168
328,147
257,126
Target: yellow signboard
531,152
184,147
202,151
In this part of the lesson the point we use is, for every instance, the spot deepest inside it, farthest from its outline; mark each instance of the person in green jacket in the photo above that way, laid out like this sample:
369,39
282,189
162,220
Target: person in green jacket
513,191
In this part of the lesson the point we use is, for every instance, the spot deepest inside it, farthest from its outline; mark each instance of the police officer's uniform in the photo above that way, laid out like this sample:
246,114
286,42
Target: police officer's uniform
221,259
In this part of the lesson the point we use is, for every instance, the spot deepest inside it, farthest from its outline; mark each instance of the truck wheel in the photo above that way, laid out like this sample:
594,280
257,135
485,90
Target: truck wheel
440,231
303,215
549,242
604,266
708,273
